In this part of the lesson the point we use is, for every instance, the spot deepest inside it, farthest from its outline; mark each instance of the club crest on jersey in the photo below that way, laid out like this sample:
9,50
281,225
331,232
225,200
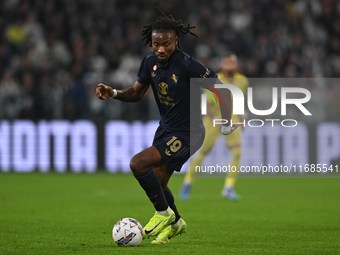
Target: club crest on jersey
154,67
163,88
174,78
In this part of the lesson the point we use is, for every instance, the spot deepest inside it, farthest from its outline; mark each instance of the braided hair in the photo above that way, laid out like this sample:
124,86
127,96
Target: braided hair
165,24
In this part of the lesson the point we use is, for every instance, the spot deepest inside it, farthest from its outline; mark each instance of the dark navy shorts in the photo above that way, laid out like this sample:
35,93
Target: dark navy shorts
176,148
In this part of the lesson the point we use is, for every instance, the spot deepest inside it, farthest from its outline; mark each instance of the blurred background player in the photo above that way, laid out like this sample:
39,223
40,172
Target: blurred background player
229,75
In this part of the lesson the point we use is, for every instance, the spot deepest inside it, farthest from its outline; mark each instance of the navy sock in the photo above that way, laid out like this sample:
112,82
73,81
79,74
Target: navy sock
171,201
150,183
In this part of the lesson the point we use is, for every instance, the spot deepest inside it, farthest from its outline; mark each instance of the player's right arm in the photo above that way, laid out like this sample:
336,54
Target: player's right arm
137,91
132,94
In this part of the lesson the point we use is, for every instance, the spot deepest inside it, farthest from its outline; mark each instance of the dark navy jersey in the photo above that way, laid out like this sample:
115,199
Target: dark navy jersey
171,88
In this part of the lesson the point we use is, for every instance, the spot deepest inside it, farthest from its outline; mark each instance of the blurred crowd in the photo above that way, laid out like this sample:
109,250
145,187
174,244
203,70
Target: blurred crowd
53,53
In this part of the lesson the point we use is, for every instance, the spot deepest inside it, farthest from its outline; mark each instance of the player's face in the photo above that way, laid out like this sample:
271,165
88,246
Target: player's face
229,64
164,44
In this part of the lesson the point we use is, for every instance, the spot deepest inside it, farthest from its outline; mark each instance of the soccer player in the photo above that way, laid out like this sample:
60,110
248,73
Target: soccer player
168,70
229,75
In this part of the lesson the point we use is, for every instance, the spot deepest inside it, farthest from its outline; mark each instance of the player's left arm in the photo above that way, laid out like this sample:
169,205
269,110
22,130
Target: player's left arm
244,88
197,69
226,108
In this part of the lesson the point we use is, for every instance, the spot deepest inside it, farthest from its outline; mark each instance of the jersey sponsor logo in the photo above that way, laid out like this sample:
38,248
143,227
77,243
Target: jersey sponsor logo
154,67
174,78
163,99
163,88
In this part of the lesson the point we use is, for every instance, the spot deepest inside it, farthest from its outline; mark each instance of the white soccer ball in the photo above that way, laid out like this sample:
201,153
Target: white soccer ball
127,232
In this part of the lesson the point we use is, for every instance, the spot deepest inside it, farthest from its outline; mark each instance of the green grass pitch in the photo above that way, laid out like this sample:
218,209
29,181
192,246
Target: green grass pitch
74,214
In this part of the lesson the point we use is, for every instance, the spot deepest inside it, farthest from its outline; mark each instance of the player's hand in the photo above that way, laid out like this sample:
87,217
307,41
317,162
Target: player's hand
103,92
231,129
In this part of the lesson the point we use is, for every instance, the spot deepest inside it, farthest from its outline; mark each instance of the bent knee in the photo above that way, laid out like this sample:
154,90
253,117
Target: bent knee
135,165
